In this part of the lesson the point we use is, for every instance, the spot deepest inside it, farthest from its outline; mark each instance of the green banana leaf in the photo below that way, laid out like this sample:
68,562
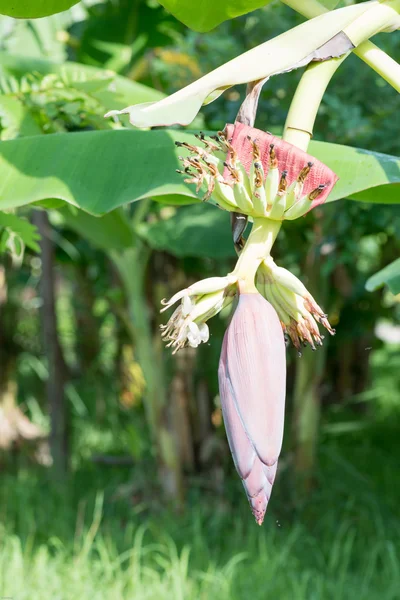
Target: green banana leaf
200,231
112,231
101,170
389,275
209,13
32,9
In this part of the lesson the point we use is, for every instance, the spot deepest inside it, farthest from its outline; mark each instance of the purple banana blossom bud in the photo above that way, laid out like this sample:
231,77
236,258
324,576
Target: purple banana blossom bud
252,383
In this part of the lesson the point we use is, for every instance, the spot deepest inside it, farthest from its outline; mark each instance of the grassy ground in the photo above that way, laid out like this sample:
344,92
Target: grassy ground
343,543
272,564
100,538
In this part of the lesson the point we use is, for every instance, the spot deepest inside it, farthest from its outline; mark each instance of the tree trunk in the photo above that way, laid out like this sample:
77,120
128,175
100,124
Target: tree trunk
87,325
8,353
131,265
8,349
180,396
52,349
309,371
307,409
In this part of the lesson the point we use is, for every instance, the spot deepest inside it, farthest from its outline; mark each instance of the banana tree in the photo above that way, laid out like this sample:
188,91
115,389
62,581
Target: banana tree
244,171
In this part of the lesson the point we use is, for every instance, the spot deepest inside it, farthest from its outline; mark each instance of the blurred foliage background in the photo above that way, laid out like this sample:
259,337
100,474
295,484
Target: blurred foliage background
117,481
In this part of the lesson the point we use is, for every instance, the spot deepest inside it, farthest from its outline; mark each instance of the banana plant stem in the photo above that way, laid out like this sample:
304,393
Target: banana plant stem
381,62
373,56
380,17
258,247
307,98
306,101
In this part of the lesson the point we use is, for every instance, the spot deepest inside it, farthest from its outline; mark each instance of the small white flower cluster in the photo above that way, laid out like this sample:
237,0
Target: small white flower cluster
187,326
297,310
256,194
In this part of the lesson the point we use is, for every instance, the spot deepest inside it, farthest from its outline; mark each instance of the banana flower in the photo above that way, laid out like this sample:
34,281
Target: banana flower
252,172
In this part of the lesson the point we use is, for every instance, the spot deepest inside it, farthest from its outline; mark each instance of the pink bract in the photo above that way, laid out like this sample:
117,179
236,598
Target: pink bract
252,382
290,158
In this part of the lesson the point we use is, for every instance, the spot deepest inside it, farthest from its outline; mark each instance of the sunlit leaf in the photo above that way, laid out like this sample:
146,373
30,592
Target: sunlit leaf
363,175
381,194
345,427
389,275
207,14
210,13
93,170
101,170
31,9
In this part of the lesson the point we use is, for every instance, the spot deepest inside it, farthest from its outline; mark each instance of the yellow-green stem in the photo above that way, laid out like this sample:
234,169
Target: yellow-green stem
373,56
306,101
381,62
258,246
378,18
304,107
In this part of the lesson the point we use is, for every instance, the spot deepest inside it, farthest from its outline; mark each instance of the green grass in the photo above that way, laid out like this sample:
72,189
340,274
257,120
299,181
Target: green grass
97,538
278,565
81,544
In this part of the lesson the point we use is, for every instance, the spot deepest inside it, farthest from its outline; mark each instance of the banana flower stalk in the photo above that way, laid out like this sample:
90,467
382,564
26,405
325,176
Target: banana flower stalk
254,174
